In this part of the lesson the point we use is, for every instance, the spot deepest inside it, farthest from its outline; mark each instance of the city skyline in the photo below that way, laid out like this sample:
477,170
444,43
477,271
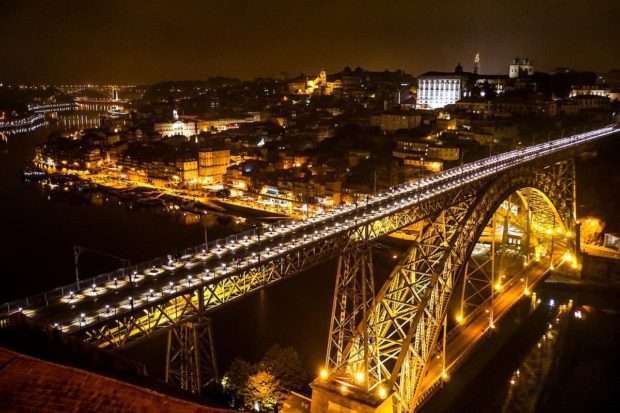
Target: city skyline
116,42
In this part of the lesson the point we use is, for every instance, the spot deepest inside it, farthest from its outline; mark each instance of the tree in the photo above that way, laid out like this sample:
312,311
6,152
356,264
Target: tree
266,383
284,364
262,389
236,378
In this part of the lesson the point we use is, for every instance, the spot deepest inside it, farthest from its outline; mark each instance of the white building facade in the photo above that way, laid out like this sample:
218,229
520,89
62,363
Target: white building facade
178,127
438,89
520,67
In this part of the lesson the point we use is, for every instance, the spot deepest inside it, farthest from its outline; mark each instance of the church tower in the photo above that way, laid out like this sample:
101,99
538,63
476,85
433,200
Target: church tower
477,64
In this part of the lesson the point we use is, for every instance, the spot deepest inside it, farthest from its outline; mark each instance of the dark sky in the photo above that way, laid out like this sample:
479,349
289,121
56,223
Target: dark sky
141,41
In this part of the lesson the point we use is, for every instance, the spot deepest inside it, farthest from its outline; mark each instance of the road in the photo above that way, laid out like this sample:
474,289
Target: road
463,339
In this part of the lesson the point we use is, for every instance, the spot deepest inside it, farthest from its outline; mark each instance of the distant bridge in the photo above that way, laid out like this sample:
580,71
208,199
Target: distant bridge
52,107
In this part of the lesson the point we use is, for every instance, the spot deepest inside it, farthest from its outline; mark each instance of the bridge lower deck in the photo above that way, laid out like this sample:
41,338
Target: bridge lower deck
463,340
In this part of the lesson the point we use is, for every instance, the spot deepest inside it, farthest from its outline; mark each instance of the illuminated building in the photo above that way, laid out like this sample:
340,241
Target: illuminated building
158,171
395,120
409,149
179,127
236,179
422,163
491,83
223,124
212,164
189,126
478,106
288,161
320,191
612,240
593,90
319,85
438,89
520,67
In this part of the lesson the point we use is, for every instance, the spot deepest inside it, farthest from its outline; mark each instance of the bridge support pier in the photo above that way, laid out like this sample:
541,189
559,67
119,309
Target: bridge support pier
190,355
328,397
562,189
353,296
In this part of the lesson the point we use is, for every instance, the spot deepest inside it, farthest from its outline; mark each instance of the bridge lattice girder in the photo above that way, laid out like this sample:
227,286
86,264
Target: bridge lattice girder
410,308
163,313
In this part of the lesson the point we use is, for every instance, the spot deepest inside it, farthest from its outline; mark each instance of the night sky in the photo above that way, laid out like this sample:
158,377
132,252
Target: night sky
144,41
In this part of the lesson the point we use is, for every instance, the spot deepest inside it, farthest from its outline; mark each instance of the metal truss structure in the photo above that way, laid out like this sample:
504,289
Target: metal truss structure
395,330
403,328
353,297
190,355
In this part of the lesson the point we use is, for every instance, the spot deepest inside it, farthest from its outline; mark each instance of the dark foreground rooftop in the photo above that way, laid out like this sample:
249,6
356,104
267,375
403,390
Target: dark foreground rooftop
44,370
28,384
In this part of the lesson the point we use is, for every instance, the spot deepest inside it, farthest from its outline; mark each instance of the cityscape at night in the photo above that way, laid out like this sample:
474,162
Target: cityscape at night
307,206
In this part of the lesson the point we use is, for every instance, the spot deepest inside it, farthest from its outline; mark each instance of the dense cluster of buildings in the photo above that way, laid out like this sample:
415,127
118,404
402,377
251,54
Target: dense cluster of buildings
329,138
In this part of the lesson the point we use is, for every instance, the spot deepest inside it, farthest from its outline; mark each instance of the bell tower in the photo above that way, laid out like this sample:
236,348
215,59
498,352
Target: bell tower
477,64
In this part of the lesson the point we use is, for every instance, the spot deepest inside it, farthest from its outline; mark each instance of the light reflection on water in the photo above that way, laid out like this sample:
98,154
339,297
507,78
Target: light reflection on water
61,121
528,380
560,357
78,121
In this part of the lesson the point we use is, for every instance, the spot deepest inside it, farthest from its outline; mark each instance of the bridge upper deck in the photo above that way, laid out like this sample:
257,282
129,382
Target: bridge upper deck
323,235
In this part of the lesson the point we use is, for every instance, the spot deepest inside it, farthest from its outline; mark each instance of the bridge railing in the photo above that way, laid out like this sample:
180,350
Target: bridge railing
128,274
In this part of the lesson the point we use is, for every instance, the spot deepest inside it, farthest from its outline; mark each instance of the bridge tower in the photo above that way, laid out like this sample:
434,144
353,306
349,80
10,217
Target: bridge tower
190,355
383,364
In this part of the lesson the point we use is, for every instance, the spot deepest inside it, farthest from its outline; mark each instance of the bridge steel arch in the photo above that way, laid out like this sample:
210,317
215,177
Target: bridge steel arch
393,345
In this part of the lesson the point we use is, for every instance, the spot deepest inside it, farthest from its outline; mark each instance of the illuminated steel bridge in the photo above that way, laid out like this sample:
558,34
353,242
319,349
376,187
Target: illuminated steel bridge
501,214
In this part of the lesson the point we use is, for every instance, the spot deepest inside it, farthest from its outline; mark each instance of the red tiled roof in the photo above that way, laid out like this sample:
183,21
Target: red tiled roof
32,385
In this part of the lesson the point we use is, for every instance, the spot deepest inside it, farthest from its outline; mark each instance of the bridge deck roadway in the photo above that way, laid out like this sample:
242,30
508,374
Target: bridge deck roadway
108,300
462,341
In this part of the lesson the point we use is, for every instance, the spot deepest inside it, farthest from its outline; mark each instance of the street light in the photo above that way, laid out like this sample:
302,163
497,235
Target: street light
257,228
463,155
